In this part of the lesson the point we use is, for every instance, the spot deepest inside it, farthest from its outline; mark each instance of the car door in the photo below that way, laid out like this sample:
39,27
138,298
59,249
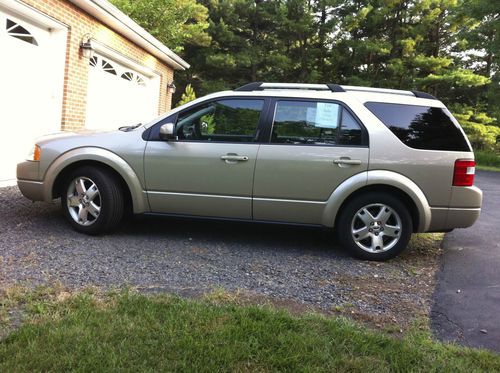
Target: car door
208,170
314,145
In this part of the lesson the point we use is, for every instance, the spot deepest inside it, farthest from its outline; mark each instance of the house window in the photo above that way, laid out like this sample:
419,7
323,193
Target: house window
19,32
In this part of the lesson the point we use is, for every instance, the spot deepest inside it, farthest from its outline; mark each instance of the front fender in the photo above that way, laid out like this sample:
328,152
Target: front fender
139,198
378,177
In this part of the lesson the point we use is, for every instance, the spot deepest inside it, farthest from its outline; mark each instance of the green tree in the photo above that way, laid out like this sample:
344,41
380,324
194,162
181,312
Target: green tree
449,48
188,95
174,22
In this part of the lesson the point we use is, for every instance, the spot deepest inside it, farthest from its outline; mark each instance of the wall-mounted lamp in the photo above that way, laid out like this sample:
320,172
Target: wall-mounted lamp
171,87
86,47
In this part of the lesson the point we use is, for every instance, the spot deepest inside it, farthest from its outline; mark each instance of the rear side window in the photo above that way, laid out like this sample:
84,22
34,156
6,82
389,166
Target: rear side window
314,123
421,127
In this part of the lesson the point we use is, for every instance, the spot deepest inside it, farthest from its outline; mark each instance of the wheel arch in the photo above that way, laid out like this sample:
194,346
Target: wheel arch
104,159
382,181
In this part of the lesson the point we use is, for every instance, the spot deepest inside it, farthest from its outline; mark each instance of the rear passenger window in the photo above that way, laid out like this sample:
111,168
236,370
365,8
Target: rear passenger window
350,130
315,123
421,127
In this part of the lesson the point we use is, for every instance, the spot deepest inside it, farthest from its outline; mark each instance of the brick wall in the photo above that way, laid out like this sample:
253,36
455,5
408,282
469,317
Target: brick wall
76,67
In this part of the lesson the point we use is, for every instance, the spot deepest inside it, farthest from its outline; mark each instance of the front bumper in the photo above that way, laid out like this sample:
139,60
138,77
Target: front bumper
33,190
28,181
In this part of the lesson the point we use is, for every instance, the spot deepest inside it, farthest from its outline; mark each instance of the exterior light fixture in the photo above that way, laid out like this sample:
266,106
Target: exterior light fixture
171,87
86,47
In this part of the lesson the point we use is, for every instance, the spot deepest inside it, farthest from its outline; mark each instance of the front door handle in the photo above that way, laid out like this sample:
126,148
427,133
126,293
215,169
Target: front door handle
234,158
347,161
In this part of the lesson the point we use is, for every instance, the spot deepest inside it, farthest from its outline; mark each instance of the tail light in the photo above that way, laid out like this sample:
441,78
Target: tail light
463,173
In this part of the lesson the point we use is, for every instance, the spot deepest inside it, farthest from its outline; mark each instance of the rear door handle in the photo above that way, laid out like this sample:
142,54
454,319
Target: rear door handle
234,158
347,161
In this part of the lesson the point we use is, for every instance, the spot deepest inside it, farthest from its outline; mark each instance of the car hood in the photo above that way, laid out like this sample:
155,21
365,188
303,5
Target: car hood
70,134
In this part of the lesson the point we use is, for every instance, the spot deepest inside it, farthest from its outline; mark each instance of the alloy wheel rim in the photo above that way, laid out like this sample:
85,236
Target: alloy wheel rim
84,201
376,228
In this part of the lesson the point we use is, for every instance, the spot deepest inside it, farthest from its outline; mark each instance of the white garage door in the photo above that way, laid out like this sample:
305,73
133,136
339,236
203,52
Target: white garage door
118,95
32,67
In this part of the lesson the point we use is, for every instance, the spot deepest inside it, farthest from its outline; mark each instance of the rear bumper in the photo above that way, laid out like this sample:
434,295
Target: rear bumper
445,219
469,199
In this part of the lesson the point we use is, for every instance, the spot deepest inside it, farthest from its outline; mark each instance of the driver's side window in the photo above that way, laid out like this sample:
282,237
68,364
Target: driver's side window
231,120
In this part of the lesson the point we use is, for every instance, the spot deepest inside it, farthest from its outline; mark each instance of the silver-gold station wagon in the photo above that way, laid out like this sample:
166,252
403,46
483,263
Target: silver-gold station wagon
374,164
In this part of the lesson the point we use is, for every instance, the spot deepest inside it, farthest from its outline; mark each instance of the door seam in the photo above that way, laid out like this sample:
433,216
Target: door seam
253,178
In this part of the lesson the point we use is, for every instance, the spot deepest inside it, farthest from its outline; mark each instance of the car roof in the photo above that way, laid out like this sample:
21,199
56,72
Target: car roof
342,93
361,94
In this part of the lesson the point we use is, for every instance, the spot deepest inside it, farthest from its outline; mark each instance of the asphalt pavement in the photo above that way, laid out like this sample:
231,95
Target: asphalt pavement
466,306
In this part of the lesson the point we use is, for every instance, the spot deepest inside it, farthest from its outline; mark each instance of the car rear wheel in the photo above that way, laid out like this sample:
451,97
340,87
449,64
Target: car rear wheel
92,200
375,226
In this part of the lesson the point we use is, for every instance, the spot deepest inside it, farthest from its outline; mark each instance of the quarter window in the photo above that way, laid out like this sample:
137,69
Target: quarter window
232,120
315,123
421,127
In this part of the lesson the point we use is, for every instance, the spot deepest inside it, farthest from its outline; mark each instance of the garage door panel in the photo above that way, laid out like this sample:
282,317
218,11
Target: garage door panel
118,95
30,97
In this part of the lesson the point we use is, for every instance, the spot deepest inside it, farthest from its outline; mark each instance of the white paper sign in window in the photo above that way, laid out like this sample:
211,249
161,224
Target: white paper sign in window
327,115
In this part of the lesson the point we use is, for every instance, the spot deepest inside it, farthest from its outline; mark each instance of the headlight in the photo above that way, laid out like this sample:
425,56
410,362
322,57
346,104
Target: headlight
34,154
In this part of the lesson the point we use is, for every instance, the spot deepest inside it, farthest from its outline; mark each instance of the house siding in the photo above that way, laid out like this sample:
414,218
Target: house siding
79,24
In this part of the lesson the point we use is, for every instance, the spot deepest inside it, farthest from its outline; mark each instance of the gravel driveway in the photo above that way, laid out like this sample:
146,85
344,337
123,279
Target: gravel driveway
295,266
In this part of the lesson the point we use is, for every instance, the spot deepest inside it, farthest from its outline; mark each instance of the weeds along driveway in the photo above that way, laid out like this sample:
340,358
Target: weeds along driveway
296,267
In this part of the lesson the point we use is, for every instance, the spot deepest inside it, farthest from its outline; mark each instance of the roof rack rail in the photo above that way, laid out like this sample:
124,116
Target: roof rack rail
260,86
255,86
421,94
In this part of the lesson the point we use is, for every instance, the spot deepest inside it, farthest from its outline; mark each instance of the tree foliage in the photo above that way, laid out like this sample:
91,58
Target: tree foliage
187,96
449,48
175,23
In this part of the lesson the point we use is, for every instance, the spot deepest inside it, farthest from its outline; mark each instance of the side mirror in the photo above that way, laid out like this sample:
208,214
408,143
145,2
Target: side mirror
167,132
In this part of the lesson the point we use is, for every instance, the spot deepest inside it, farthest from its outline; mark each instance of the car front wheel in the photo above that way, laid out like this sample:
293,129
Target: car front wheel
92,200
375,226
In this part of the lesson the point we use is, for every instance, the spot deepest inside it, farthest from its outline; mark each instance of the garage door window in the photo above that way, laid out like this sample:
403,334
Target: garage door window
110,68
135,96
134,78
19,32
106,66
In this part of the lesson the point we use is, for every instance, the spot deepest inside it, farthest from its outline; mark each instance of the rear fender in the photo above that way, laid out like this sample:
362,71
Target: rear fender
378,177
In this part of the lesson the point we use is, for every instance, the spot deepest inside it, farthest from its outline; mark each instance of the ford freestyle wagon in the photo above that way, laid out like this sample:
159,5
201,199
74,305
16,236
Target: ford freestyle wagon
374,164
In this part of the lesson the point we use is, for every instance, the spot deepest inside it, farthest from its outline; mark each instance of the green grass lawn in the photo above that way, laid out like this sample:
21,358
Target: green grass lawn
130,332
488,161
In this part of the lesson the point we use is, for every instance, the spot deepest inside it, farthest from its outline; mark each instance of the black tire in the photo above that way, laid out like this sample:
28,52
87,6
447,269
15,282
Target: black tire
109,198
397,239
